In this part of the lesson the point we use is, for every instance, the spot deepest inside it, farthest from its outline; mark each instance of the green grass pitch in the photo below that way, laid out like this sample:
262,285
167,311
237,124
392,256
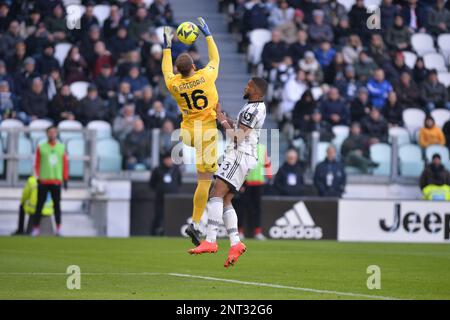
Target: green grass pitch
144,268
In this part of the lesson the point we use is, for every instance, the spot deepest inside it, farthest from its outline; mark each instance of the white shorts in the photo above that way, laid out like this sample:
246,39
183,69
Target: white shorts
235,167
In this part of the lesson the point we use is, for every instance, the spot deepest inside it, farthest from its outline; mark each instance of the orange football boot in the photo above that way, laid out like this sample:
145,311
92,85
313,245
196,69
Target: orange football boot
235,252
204,247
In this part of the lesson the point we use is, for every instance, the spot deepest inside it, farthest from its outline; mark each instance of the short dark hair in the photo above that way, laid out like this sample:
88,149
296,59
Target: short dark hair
50,128
436,155
261,84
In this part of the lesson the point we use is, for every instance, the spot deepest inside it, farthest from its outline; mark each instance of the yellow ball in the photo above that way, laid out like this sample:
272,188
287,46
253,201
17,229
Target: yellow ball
187,32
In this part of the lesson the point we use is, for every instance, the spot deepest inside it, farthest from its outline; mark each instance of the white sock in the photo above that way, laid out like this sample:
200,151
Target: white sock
215,209
231,224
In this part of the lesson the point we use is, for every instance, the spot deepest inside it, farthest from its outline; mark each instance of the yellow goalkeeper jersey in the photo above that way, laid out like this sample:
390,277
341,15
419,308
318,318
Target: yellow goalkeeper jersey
196,96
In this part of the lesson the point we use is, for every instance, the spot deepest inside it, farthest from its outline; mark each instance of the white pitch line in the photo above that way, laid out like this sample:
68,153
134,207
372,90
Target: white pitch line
277,286
258,284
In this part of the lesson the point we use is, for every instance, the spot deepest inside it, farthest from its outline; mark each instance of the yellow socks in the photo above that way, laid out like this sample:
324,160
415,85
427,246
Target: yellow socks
200,199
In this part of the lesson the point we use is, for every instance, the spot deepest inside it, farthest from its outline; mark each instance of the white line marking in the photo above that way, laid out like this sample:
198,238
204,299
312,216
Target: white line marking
181,275
260,284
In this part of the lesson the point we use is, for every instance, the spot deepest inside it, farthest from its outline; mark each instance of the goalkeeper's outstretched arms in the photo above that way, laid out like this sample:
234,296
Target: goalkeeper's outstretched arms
213,52
167,66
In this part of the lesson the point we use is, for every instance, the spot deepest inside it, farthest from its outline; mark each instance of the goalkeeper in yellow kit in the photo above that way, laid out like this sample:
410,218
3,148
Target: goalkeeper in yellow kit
196,95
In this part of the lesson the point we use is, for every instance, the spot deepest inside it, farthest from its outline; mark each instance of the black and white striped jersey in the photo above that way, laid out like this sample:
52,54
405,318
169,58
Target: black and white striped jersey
252,115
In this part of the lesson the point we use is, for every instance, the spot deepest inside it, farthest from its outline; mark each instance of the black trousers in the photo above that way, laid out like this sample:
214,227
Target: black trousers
55,192
21,225
158,218
248,207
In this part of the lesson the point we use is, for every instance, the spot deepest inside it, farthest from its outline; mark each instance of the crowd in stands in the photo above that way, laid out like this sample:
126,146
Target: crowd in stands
327,68
119,57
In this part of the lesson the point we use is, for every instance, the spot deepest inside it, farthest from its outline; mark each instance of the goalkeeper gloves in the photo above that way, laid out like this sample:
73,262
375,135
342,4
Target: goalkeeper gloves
168,35
203,27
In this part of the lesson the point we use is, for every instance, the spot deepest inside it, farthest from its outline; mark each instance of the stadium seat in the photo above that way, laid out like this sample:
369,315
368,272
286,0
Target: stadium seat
148,3
102,128
347,4
410,58
322,151
441,116
76,147
444,78
422,43
435,61
411,163
443,42
9,124
341,133
79,89
372,3
402,135
414,120
381,154
258,38
442,151
109,158
69,125
41,125
101,12
69,2
61,51
25,149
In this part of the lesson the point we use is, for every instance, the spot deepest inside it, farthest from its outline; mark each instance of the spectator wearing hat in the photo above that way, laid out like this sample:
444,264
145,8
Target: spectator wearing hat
46,62
430,134
334,109
319,30
434,93
309,64
435,180
107,83
75,66
64,105
34,101
56,23
165,179
91,107
398,37
23,79
379,89
299,47
290,29
136,146
392,111
347,84
360,106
